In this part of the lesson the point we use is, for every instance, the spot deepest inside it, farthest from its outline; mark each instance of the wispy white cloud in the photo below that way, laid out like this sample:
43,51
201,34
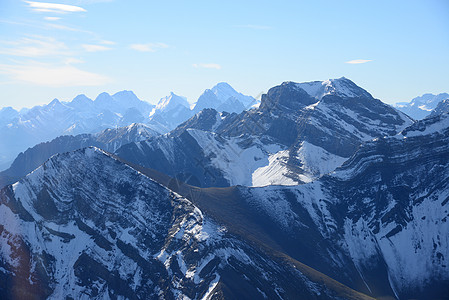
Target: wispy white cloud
53,76
106,42
207,66
53,7
95,48
252,26
358,61
52,18
72,60
34,47
68,28
148,47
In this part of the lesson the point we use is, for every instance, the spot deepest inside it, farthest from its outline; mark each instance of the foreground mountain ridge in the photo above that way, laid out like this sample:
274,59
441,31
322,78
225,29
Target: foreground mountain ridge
130,237
371,224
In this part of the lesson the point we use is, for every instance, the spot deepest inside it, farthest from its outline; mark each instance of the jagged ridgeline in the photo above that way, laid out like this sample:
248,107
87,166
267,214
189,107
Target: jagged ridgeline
321,192
299,133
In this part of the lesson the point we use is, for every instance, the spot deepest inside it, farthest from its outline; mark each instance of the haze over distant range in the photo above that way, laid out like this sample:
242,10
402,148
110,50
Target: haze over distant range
64,48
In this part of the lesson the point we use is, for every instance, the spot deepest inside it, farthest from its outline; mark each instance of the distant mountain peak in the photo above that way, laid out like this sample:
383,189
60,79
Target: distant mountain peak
103,96
421,106
224,91
54,105
81,100
81,97
219,95
125,94
223,84
54,102
7,109
171,101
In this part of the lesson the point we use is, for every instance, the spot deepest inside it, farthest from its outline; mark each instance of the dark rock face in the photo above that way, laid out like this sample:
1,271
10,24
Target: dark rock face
178,156
87,225
287,95
207,120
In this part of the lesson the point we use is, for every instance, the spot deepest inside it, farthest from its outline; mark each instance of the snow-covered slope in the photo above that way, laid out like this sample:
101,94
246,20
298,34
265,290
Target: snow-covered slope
421,106
432,125
87,226
341,87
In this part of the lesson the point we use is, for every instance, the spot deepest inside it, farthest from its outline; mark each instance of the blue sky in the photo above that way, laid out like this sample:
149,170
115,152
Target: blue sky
58,49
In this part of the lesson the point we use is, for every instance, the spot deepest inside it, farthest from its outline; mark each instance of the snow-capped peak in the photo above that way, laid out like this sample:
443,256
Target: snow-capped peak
223,91
171,101
341,87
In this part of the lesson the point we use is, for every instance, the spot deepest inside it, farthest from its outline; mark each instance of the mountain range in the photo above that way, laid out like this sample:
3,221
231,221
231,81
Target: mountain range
24,129
422,106
320,192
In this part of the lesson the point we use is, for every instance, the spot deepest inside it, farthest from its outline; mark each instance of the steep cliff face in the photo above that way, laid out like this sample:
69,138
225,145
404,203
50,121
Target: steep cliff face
87,226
